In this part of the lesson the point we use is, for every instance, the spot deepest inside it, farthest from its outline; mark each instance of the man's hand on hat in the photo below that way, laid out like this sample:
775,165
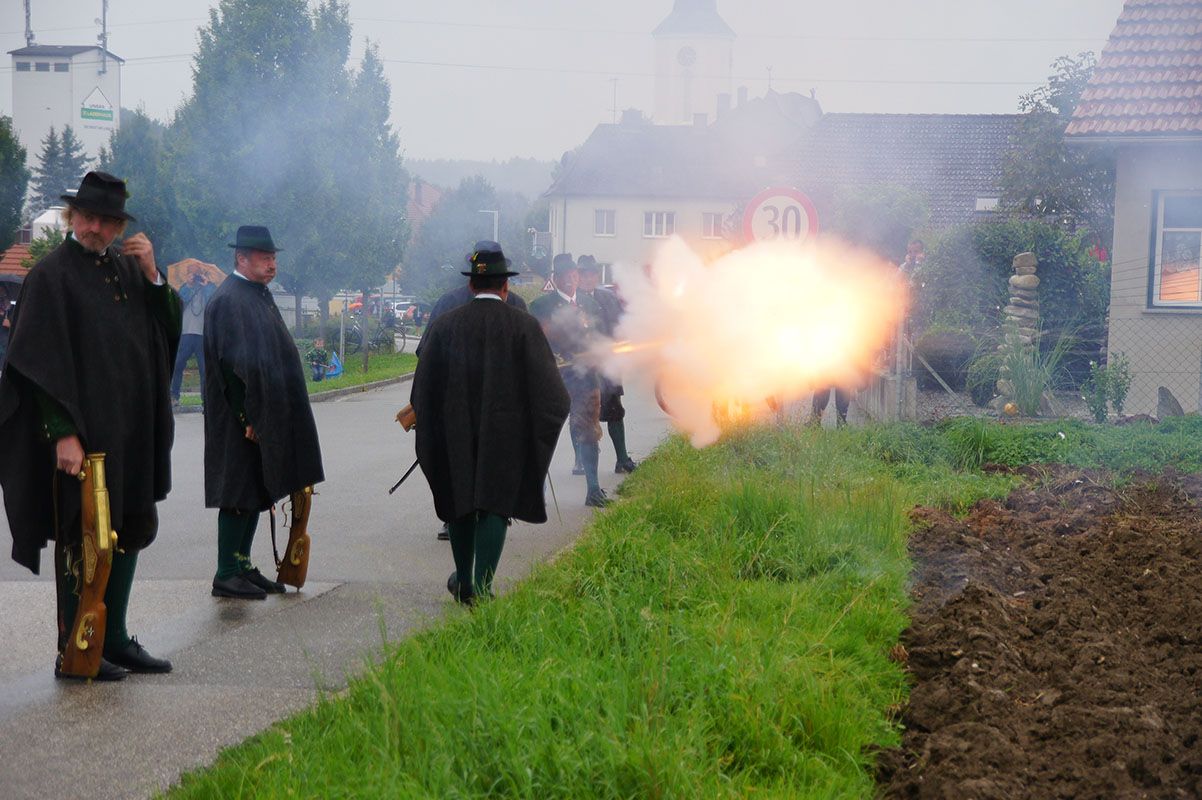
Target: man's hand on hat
140,248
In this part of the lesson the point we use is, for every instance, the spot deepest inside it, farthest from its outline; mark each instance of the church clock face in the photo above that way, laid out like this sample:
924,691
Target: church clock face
687,57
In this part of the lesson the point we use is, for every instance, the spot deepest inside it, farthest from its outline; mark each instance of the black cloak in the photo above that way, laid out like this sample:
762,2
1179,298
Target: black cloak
490,405
99,340
245,335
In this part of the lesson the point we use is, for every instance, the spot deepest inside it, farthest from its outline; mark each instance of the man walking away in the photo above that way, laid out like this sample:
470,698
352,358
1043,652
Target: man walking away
490,406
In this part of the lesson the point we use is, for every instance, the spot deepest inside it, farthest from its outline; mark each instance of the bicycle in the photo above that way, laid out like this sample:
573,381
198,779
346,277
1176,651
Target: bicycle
385,338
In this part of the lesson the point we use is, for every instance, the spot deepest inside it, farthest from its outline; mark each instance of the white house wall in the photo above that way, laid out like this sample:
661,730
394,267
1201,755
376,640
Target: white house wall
572,227
1164,346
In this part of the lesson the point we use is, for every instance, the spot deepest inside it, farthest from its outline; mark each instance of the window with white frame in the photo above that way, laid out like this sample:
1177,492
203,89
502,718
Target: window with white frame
658,224
603,222
711,225
1177,257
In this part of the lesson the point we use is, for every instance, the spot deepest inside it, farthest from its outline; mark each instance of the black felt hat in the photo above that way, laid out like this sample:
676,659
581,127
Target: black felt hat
588,262
487,260
100,193
562,263
254,237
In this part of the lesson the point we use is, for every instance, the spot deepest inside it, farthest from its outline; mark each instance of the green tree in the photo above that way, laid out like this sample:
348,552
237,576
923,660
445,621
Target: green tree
135,153
14,180
278,131
41,246
61,165
437,257
882,218
1048,178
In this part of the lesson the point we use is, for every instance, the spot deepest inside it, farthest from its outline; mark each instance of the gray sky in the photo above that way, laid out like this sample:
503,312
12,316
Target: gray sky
499,78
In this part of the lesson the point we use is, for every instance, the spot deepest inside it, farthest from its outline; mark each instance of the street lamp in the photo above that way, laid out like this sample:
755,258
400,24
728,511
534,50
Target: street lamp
496,221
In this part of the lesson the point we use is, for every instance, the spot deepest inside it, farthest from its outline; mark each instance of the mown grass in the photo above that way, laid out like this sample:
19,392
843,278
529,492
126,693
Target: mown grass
380,367
721,632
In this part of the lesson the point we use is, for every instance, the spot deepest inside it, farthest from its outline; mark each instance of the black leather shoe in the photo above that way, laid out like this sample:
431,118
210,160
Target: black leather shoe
626,465
237,587
465,598
263,582
444,533
596,499
134,658
108,672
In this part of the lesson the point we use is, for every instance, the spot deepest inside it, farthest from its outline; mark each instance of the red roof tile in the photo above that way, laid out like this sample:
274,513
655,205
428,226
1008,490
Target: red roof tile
10,261
1148,82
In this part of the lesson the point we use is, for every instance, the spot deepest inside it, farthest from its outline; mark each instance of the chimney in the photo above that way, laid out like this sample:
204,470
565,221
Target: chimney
723,104
632,116
742,96
699,120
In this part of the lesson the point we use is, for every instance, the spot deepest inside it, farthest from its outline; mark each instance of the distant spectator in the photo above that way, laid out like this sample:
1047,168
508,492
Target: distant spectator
195,296
318,359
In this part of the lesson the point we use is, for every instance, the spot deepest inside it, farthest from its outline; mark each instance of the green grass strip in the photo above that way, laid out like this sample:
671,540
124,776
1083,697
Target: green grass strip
381,366
720,632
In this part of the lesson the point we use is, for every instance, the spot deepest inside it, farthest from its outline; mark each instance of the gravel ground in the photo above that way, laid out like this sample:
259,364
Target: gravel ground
934,405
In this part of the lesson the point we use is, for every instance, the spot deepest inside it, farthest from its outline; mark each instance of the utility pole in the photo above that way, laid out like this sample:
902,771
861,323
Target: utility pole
614,81
103,38
28,26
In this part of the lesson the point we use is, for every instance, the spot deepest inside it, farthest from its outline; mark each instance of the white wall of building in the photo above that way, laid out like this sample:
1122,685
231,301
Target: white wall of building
81,96
1164,345
574,230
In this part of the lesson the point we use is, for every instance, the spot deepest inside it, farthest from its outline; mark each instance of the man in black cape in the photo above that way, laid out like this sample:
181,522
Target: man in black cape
612,413
89,366
570,319
260,437
461,296
490,406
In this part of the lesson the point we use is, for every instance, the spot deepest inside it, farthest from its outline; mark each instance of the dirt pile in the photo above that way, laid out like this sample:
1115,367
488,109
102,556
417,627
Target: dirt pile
1056,646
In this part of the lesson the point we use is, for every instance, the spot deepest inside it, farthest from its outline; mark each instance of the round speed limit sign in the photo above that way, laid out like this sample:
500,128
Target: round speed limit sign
779,214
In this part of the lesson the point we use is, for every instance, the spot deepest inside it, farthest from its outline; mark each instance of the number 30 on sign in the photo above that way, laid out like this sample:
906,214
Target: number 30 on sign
777,214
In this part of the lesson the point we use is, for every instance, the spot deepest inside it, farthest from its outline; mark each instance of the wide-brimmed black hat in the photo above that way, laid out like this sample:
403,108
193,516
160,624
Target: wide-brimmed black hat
254,237
562,263
587,262
101,194
487,260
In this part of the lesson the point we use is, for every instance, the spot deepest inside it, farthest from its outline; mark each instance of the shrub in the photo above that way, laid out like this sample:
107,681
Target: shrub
1096,391
1118,377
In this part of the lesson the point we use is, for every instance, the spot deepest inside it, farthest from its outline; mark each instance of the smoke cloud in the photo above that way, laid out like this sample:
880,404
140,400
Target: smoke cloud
766,324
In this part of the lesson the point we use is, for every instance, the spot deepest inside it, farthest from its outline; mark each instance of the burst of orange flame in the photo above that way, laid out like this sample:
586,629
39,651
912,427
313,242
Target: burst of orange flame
761,324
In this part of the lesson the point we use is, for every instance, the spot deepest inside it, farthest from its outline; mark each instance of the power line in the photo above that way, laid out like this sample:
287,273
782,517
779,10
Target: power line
800,37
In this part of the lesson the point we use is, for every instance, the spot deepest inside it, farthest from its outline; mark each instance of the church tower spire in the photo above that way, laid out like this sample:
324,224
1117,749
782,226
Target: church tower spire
694,54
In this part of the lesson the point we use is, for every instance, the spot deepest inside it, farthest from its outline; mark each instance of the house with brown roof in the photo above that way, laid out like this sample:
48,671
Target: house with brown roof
1144,101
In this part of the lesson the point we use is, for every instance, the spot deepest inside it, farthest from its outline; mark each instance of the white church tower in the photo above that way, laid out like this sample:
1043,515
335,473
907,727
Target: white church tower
694,55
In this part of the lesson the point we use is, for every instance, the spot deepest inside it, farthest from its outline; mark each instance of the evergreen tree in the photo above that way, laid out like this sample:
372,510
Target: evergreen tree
61,166
46,186
14,180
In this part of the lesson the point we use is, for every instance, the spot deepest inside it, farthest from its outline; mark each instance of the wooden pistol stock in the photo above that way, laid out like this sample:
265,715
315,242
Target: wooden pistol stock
407,417
86,642
295,565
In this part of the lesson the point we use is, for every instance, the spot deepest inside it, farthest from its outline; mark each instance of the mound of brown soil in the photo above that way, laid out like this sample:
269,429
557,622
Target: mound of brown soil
1056,646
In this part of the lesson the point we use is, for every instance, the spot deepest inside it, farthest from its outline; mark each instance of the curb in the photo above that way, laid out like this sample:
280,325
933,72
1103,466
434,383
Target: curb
334,394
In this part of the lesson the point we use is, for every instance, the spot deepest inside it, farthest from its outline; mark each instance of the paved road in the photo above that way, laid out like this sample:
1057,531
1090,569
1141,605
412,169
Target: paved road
239,665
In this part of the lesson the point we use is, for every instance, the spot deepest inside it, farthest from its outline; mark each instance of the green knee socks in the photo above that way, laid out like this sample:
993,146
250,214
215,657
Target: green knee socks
235,533
617,433
116,600
476,544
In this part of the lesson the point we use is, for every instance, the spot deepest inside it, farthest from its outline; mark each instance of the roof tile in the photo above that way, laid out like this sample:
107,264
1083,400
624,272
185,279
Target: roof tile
1149,78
